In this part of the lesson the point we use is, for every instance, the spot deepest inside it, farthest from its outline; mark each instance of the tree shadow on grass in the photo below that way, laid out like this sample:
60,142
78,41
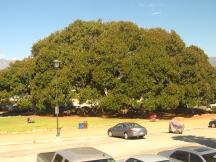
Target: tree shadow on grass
7,113
209,142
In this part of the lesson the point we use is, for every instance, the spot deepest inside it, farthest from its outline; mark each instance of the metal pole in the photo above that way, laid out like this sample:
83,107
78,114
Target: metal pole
57,108
57,129
56,66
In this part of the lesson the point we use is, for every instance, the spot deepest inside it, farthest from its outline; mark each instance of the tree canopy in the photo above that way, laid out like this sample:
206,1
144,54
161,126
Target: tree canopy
112,65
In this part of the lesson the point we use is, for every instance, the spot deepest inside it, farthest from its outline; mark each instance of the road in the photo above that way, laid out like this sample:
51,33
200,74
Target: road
116,147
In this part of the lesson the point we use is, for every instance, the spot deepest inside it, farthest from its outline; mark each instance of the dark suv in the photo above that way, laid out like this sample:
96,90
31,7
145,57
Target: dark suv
212,123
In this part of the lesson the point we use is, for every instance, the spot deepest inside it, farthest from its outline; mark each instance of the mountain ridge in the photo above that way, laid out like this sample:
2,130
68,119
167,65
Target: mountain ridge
4,63
212,61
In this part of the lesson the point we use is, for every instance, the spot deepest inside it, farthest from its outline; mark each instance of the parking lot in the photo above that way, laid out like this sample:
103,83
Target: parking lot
116,147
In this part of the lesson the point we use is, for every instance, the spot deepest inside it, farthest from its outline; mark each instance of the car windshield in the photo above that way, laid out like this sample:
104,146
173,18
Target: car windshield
102,160
133,125
210,157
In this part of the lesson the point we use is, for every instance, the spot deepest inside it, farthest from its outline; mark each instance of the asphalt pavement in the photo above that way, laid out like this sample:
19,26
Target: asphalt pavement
117,147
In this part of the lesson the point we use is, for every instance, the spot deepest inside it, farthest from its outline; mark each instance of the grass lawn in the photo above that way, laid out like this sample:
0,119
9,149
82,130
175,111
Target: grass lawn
15,128
18,123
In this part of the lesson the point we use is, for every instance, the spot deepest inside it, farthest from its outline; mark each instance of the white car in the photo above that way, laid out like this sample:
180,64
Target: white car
147,158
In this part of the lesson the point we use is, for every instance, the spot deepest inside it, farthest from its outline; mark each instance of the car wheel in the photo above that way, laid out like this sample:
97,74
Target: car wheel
177,131
125,136
142,137
110,134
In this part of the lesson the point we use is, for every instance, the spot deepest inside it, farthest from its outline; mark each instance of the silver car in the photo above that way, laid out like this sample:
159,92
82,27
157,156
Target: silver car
127,130
191,154
147,158
87,154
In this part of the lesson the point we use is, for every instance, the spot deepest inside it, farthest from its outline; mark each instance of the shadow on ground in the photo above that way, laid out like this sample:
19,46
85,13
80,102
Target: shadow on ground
5,114
209,142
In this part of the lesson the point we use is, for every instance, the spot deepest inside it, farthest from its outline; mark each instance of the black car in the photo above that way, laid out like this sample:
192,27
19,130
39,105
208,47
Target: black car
127,130
212,123
191,154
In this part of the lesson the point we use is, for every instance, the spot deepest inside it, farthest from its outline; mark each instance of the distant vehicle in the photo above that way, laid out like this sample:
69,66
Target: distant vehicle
175,127
191,154
75,155
147,158
212,123
127,130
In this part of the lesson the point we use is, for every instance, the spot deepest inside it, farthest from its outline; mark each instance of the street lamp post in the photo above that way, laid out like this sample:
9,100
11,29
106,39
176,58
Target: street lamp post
56,66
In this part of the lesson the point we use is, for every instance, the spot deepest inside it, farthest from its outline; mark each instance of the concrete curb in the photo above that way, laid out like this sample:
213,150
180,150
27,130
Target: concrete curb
59,139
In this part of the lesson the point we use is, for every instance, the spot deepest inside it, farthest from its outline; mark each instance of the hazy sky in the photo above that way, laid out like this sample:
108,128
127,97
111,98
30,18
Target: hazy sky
23,22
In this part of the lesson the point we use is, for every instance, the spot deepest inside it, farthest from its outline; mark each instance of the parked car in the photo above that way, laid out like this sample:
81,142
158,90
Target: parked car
175,126
212,123
191,154
127,130
75,155
147,158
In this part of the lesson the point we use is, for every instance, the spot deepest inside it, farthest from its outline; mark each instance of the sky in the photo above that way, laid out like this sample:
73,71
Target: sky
24,22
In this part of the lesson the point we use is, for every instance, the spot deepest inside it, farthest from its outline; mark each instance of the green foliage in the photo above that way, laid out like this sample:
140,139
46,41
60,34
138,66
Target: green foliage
88,94
113,65
115,101
24,105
